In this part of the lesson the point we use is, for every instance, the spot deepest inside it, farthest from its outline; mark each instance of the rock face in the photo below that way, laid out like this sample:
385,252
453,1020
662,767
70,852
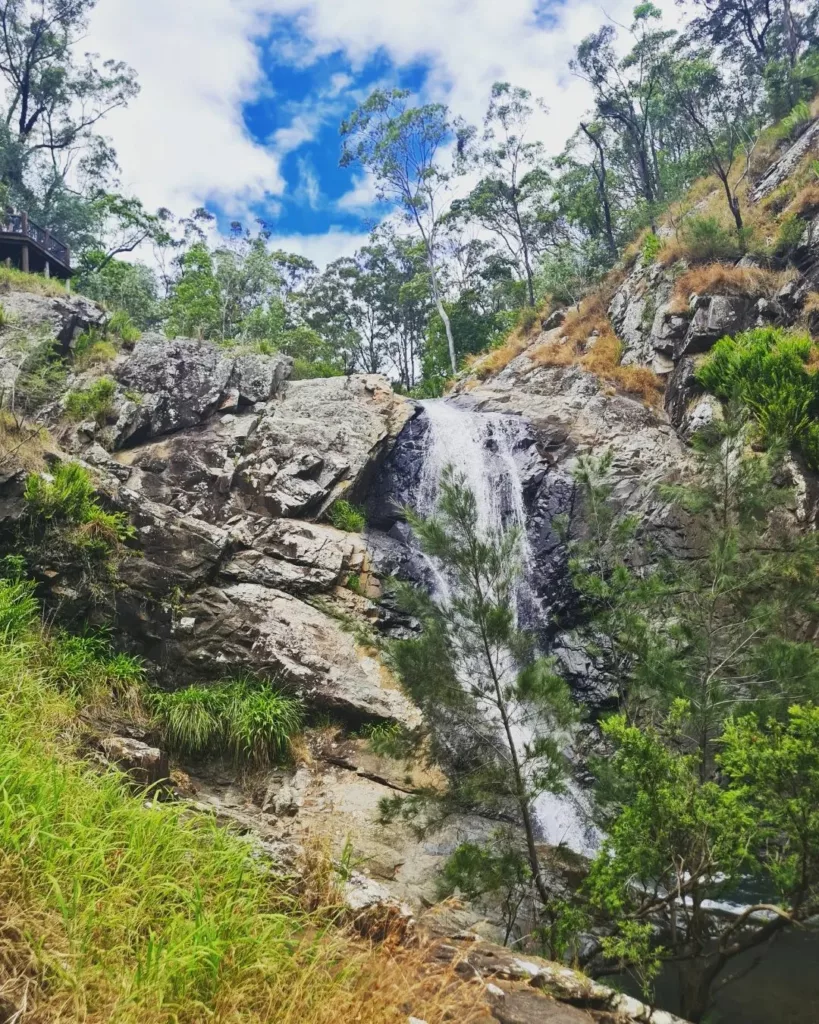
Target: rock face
31,319
147,766
180,383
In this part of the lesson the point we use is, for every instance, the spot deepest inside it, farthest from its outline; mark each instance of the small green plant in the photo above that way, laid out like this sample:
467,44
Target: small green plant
92,348
799,115
766,370
706,240
41,379
347,517
3,316
354,583
652,245
95,402
389,739
123,327
64,499
789,235
249,718
87,666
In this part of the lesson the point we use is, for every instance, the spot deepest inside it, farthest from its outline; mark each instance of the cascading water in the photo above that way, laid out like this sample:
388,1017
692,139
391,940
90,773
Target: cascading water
482,448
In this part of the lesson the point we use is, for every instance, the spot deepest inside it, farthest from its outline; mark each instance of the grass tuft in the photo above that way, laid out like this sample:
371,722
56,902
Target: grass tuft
96,402
251,719
347,517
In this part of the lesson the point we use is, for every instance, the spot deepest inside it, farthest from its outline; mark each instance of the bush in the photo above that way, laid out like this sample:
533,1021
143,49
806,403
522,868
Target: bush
41,379
251,719
92,348
347,517
528,317
94,402
123,327
705,240
765,369
65,498
651,249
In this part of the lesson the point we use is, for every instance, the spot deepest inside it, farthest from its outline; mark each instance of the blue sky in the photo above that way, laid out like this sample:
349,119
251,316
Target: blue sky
241,99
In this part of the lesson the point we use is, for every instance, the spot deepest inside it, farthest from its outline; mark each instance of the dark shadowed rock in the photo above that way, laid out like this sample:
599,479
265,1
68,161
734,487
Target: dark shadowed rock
721,315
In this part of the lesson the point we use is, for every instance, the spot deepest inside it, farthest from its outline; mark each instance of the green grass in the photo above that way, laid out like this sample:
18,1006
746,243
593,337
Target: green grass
347,517
66,497
116,912
250,719
123,327
13,280
96,402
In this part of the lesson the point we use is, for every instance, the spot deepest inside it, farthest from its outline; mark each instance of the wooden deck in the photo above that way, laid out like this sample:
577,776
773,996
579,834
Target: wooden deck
32,248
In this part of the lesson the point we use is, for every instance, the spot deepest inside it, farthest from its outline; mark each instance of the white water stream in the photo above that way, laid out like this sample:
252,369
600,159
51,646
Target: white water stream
481,447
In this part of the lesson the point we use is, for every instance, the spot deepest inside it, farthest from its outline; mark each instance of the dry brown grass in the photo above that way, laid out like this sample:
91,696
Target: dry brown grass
589,341
724,279
806,201
499,358
23,445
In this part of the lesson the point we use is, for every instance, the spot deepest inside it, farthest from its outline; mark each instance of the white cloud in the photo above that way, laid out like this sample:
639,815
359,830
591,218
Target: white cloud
361,197
182,142
321,249
308,189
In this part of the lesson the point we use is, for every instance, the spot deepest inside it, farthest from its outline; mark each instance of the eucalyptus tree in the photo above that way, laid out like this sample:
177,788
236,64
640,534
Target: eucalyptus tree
626,93
403,147
720,111
512,198
54,101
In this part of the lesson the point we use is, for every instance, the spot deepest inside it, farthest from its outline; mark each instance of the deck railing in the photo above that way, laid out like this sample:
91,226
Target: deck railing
19,224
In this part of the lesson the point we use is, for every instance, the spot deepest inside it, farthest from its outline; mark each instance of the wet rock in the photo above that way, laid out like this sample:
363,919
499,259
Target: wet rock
146,766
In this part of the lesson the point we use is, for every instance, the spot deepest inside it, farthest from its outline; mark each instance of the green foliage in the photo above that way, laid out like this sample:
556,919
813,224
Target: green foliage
42,377
347,517
354,583
95,402
706,240
251,719
390,739
789,235
528,318
63,503
497,871
122,326
127,288
652,245
93,347
699,840
798,116
765,369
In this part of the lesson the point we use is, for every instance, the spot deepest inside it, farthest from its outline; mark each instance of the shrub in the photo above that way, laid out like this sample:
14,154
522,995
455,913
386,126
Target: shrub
789,235
41,379
347,517
767,371
123,327
652,245
94,402
65,498
705,239
528,317
249,718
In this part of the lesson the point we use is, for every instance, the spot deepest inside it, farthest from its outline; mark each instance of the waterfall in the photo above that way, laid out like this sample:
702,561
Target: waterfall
482,448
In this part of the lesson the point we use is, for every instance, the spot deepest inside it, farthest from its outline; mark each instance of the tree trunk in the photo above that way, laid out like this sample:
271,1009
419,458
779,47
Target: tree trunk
442,313
696,979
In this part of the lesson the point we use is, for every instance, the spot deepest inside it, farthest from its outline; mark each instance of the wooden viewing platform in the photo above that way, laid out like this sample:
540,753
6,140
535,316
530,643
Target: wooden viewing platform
32,249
